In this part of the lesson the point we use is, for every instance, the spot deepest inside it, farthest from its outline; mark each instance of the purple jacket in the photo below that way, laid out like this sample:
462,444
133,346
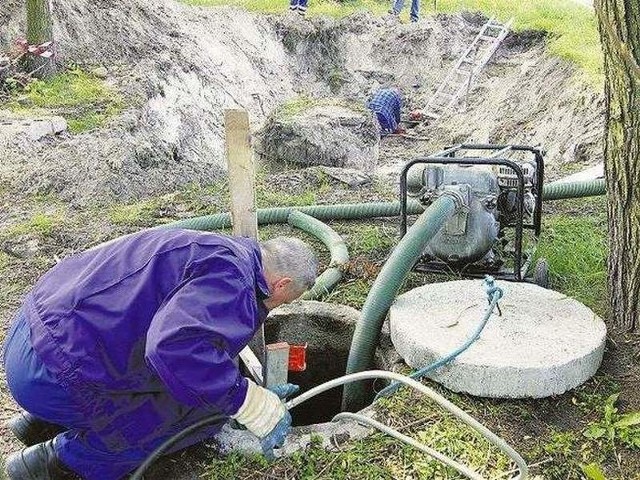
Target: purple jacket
154,311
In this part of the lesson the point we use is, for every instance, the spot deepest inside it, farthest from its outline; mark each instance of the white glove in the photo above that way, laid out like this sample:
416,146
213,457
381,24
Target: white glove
261,410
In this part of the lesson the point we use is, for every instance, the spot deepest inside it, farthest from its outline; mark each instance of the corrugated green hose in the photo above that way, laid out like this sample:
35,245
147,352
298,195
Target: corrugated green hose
336,245
362,353
585,188
267,216
384,291
354,211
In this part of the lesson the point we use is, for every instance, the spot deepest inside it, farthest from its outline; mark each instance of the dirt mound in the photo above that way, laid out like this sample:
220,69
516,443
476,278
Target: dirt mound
335,135
179,67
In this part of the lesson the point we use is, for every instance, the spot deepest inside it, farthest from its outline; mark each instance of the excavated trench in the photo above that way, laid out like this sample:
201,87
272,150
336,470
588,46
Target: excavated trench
178,78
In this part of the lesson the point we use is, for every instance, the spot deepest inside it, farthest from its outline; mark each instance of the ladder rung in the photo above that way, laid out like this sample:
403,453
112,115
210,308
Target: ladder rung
488,38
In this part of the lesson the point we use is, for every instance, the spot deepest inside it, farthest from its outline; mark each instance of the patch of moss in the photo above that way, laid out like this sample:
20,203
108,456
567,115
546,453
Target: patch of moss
85,101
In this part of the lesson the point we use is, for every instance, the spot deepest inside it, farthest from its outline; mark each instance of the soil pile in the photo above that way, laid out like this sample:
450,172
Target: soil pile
331,135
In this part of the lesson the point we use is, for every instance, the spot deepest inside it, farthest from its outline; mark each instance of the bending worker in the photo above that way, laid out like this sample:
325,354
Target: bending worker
120,347
386,103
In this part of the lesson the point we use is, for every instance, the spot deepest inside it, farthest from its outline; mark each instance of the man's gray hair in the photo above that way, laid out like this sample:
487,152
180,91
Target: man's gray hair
290,257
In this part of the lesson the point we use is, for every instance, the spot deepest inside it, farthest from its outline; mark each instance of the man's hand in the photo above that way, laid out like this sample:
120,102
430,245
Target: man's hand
417,116
264,415
277,437
285,390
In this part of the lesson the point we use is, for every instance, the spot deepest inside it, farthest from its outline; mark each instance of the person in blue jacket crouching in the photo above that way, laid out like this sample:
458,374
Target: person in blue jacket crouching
122,346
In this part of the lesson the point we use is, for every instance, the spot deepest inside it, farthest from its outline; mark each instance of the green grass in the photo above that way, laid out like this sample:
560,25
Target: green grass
133,214
576,250
379,456
319,7
85,101
40,224
573,33
572,28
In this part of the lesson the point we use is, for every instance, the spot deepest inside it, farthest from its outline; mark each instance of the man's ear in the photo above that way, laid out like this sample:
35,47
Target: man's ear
282,283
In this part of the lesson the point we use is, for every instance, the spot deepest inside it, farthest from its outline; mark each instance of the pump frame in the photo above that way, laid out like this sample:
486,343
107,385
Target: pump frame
521,261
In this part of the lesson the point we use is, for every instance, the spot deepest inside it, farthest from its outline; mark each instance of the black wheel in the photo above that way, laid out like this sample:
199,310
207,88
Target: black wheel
541,273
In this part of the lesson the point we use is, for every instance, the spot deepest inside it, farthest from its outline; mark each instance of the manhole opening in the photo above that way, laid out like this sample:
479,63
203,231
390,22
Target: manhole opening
329,339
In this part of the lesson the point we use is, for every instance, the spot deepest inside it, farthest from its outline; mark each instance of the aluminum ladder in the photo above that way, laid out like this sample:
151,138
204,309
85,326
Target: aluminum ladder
458,81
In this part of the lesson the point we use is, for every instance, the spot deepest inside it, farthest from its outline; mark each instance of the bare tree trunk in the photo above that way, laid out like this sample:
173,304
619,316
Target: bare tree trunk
619,22
39,31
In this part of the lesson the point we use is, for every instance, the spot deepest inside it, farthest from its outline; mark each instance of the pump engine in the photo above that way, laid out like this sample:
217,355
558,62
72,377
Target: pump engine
499,197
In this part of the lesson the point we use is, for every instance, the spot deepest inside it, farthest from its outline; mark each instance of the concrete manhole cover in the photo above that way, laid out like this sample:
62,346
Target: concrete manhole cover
545,343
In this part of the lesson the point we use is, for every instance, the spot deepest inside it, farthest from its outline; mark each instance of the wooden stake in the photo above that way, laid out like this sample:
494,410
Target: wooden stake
242,174
242,186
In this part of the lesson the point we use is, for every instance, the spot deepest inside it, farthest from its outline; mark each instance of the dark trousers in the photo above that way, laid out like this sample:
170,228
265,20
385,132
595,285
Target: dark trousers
84,449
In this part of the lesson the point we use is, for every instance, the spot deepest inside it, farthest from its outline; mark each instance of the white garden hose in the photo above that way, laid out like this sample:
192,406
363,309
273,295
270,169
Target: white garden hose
439,399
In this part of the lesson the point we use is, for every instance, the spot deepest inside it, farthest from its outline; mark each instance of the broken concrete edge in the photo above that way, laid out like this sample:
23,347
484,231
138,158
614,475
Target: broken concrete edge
330,434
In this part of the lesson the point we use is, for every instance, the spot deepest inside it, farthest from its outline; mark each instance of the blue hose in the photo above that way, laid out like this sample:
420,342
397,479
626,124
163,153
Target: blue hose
494,294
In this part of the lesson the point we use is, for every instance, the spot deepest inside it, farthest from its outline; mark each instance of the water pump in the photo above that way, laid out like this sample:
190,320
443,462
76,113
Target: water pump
499,188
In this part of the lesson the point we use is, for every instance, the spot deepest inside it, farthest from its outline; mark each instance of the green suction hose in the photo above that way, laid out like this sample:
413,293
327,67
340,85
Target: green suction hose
384,291
354,211
336,245
584,188
267,216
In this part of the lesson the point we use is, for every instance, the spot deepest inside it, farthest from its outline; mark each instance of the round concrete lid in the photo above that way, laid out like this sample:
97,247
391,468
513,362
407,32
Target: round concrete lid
545,343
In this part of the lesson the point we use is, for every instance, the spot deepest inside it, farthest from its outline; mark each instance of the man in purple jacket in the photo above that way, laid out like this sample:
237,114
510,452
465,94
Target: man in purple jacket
120,347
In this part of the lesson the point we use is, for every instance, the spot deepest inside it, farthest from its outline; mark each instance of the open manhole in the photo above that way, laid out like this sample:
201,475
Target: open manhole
327,329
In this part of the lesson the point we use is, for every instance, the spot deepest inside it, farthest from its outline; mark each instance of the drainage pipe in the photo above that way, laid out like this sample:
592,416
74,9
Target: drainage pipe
336,245
386,287
266,216
355,211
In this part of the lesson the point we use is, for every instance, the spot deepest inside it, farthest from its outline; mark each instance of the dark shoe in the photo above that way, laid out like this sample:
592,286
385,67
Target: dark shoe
31,430
38,462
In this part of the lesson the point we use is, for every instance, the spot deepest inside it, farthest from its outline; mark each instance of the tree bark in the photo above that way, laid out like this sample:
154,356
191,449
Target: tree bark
39,31
619,22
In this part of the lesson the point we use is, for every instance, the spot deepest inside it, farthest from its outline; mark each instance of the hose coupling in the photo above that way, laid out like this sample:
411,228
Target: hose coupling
460,195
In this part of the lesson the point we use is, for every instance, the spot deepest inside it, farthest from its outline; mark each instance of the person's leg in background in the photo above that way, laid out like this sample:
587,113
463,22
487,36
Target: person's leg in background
397,7
415,10
293,5
302,7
